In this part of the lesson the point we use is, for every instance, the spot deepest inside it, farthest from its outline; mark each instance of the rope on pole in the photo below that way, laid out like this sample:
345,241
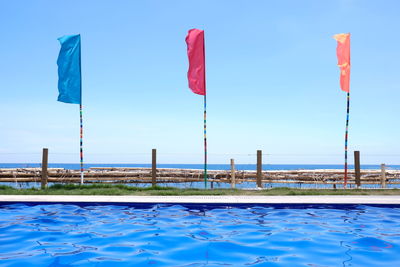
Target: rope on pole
346,140
81,141
205,141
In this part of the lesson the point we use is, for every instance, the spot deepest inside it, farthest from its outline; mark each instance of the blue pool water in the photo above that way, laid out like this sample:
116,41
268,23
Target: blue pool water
199,235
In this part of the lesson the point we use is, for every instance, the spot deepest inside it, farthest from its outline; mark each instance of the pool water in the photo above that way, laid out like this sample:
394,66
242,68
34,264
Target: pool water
199,235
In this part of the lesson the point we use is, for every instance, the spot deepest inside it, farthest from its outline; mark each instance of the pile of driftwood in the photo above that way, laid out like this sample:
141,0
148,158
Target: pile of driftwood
381,178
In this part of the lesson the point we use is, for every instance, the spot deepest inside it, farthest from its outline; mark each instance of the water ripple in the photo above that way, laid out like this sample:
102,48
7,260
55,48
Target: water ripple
179,235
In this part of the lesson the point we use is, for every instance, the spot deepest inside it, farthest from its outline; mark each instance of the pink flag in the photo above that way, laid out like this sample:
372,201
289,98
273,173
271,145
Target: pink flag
197,61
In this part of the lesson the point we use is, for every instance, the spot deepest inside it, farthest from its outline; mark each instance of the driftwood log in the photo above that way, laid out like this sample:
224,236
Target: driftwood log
164,175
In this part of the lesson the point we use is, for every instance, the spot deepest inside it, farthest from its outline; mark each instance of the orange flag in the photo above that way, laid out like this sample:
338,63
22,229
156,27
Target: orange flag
343,55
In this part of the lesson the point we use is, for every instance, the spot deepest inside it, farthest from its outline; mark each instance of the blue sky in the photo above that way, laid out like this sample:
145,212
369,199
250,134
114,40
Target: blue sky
272,81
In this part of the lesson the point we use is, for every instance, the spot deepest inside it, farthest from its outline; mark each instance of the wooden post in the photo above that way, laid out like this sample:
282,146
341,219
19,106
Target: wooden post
233,178
357,172
259,169
45,160
383,176
154,167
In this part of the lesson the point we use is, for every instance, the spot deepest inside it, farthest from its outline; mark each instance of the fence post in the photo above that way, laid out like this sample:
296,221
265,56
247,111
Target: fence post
259,169
233,178
357,172
45,161
154,167
383,175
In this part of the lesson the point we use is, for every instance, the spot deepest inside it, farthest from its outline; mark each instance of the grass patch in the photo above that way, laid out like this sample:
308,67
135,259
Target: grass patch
120,189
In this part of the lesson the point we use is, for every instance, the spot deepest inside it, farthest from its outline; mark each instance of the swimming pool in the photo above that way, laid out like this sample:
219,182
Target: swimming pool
199,235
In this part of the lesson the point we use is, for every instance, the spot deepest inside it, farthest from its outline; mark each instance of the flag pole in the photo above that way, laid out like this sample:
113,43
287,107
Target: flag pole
205,116
197,77
81,141
343,55
70,78
346,136
80,116
205,141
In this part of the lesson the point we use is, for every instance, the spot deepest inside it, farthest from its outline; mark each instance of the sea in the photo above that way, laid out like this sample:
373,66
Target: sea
76,166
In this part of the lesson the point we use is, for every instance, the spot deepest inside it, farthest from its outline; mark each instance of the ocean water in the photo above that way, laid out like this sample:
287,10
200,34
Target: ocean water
73,166
199,235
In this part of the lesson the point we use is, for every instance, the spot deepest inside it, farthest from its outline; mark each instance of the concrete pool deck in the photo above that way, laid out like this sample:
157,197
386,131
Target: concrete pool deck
327,199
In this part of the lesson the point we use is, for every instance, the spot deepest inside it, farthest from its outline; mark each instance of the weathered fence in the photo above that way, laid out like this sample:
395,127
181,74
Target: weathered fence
163,175
382,178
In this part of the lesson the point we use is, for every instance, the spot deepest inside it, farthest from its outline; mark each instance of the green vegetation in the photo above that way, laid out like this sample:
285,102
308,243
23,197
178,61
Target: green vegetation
105,189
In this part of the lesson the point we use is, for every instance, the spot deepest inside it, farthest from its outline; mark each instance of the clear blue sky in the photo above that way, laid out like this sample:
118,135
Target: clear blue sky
272,79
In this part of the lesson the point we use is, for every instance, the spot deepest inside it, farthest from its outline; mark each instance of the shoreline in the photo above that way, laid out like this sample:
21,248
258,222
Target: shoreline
199,166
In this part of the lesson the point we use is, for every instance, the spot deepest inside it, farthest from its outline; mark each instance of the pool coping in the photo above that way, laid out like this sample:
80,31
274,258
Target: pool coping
320,199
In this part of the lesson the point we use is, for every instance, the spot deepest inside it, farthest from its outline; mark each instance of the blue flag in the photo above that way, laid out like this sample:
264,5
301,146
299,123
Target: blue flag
69,70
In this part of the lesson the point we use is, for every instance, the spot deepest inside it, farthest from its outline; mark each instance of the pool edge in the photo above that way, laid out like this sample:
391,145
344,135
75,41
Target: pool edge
320,199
